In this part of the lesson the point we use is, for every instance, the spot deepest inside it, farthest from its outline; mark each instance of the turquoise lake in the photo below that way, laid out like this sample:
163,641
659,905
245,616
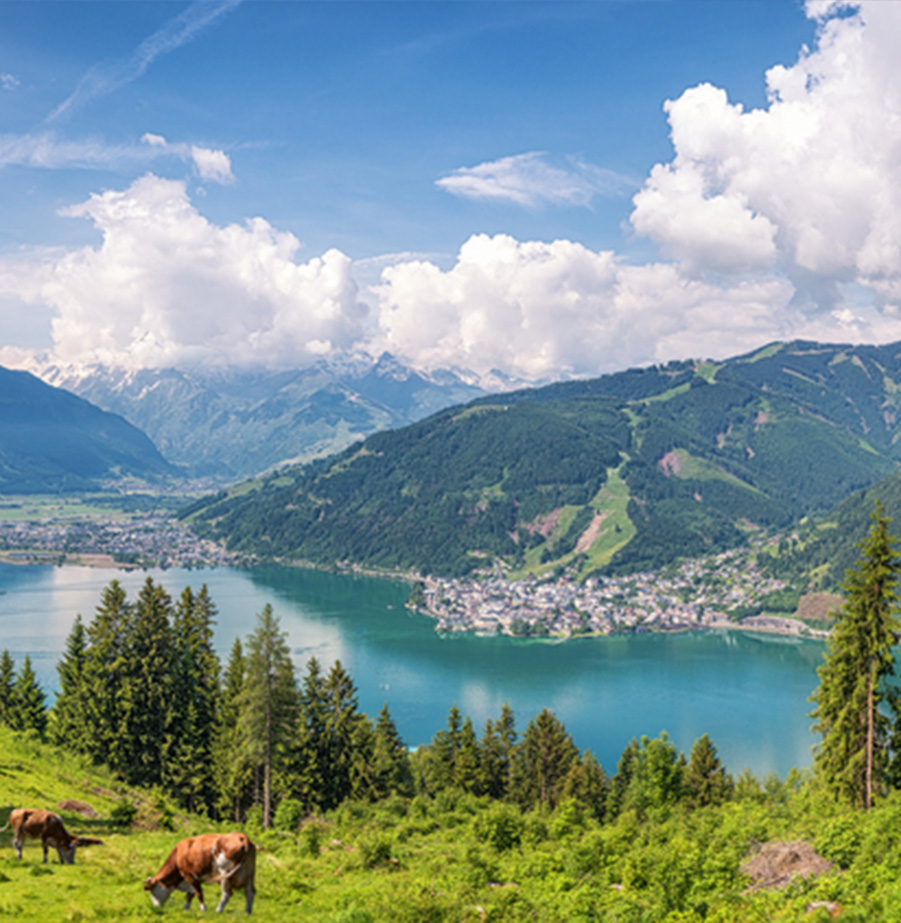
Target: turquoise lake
748,692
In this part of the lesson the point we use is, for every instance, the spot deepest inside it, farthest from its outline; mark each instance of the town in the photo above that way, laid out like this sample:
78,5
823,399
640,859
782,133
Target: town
722,591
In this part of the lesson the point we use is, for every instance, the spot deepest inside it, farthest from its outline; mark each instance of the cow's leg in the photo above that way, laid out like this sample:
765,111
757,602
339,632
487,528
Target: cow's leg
249,892
46,846
195,884
18,840
226,894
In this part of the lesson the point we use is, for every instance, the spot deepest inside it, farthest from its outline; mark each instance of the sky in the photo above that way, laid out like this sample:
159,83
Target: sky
545,190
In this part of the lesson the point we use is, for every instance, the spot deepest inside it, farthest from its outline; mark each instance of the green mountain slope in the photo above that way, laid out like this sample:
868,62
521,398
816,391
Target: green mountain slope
51,441
624,472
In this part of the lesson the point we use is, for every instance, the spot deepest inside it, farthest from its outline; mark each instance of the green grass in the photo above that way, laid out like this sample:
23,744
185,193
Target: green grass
443,860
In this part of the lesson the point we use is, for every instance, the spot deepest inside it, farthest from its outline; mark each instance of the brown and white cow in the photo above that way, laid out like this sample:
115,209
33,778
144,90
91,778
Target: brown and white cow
229,858
48,827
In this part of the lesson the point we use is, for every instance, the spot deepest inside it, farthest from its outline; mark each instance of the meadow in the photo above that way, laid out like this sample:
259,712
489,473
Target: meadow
457,857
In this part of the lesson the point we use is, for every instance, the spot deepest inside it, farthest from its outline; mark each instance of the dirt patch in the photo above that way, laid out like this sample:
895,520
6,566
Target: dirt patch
544,525
816,607
77,807
670,464
589,536
776,864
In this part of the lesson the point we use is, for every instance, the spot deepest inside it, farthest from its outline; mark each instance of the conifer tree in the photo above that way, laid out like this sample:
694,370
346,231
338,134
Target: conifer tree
69,718
149,687
657,775
268,704
542,761
706,779
586,784
341,730
468,775
30,711
7,689
619,785
852,755
311,746
105,670
390,758
230,767
196,680
445,750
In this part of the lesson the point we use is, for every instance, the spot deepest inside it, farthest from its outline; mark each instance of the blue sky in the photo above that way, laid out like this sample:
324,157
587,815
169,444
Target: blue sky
483,185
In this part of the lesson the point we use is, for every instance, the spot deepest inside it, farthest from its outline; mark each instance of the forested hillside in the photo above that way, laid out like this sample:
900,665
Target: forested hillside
52,441
620,473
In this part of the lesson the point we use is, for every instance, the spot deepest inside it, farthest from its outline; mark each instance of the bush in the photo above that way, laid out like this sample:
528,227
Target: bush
288,815
500,826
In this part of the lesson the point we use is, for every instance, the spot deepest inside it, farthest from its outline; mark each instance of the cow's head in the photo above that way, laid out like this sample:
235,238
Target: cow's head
159,893
67,856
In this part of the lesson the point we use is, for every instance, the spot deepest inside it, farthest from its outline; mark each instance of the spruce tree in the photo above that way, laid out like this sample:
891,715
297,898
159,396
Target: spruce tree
105,670
852,755
586,784
468,774
7,689
542,761
340,732
310,754
69,718
391,760
268,704
231,770
196,680
30,711
149,688
706,779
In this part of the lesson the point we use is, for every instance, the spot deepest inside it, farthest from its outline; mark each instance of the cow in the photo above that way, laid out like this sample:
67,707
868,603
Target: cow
48,827
229,858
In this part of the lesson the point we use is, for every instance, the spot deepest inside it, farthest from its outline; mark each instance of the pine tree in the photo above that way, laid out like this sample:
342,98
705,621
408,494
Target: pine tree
619,785
340,731
7,688
391,760
468,775
69,718
657,776
311,746
196,678
852,756
496,753
586,784
542,761
149,687
268,704
231,770
30,712
106,668
706,779
444,751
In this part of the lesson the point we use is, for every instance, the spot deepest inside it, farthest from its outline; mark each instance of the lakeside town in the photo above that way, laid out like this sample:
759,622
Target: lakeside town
722,591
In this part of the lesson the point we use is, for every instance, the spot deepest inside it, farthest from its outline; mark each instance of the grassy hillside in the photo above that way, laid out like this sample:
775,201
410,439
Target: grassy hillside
621,473
458,858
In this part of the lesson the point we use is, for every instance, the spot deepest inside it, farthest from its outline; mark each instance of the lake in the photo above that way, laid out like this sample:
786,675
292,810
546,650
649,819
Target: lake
748,692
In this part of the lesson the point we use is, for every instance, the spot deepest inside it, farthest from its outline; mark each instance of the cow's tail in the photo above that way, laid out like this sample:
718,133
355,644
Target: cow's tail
6,826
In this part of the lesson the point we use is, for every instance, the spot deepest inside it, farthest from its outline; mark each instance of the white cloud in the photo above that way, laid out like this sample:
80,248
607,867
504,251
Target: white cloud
809,186
529,180
212,165
9,81
167,287
534,310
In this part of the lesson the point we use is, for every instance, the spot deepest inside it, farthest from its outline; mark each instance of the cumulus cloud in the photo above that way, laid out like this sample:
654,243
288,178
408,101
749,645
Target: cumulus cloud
809,186
529,180
535,310
167,287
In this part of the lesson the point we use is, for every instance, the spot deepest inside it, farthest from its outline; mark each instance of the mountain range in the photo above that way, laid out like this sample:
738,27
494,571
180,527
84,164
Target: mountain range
231,422
52,441
624,472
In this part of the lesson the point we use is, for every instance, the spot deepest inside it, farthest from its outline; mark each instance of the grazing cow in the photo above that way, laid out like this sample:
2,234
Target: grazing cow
48,827
227,857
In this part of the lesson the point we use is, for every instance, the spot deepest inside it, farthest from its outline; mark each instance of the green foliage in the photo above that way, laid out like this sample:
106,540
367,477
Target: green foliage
853,754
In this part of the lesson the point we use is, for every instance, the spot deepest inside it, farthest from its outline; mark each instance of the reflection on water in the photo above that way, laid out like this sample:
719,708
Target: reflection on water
749,692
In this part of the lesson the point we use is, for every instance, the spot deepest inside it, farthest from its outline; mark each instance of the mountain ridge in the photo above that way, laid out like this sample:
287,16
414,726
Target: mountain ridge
669,461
